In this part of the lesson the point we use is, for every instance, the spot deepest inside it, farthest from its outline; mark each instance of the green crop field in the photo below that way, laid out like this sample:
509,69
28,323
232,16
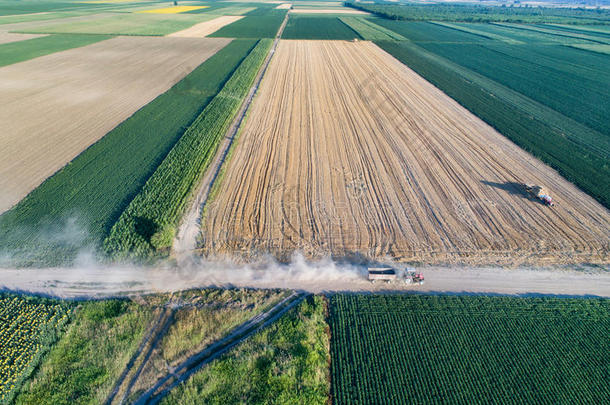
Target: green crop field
28,327
92,191
85,363
478,13
286,363
20,51
253,26
468,349
318,27
514,88
370,31
148,224
126,24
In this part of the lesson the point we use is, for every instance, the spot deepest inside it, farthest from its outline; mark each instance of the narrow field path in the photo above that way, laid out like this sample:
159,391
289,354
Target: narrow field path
157,330
186,237
194,363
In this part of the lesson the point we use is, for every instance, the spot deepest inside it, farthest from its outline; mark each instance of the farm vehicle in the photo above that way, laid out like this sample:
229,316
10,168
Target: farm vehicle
539,193
389,275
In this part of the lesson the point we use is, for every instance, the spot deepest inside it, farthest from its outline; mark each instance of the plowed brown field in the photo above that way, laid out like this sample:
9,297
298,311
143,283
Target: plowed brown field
55,106
347,151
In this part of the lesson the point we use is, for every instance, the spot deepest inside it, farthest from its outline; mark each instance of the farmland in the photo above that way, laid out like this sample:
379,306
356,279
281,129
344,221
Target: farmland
341,191
49,133
317,27
28,327
206,28
253,26
90,356
198,193
421,349
148,224
125,24
96,186
516,93
15,52
285,363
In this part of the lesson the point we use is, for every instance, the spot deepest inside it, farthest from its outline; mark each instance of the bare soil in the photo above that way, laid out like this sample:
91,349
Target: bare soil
6,37
206,28
55,106
347,152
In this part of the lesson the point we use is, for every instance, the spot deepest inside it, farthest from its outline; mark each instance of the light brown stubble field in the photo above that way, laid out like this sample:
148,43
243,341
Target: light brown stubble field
55,106
207,27
347,151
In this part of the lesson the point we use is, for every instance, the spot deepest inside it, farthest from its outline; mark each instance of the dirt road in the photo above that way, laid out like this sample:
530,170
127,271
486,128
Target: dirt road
315,277
347,151
55,106
190,227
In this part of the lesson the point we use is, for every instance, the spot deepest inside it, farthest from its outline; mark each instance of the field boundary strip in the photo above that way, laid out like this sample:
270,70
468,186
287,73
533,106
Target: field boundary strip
149,223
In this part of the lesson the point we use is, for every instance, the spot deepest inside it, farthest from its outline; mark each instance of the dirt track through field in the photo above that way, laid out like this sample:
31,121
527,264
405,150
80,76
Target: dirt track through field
348,152
206,28
55,106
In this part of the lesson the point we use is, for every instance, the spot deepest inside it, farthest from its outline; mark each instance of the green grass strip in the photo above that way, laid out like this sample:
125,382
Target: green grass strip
78,205
597,48
20,51
421,349
370,31
148,224
318,27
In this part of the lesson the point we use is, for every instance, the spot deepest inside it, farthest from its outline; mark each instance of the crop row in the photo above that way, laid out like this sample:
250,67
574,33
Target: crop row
370,31
431,349
148,224
20,51
28,326
461,12
516,93
76,208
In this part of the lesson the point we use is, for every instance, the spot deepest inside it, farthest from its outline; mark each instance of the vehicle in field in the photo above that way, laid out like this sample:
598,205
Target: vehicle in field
539,193
389,274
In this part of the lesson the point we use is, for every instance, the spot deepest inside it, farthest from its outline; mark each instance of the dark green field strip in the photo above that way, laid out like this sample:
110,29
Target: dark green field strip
570,92
78,205
405,349
252,26
535,128
318,27
428,32
20,51
580,30
556,32
598,31
148,224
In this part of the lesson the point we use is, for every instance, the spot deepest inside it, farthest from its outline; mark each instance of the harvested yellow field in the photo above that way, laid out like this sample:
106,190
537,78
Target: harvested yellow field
206,28
346,151
284,6
172,10
55,106
6,37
